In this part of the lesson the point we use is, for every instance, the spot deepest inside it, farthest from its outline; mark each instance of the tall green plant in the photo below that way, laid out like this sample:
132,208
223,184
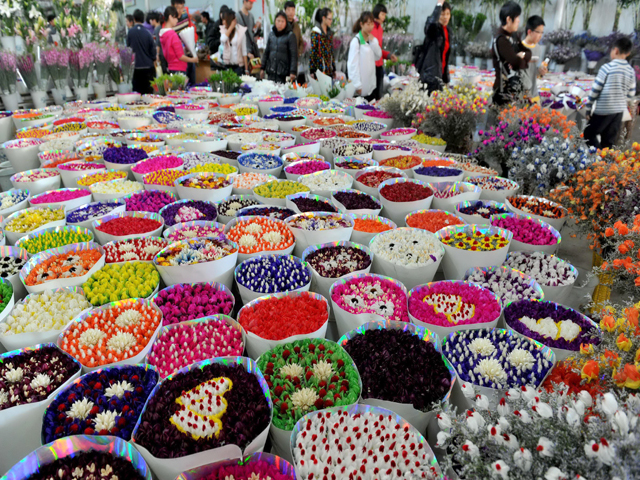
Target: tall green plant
620,6
587,10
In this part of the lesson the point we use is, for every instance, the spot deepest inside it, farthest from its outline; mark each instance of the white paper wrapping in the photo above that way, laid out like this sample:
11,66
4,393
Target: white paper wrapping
306,238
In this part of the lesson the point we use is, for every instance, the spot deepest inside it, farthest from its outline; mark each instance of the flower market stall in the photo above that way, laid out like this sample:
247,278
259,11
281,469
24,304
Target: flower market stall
245,280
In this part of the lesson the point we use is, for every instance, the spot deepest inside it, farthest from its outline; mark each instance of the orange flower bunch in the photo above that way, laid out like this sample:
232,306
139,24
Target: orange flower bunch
603,193
612,364
544,116
623,260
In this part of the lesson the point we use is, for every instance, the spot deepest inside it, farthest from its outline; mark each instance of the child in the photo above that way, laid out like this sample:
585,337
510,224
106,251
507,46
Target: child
614,85
364,51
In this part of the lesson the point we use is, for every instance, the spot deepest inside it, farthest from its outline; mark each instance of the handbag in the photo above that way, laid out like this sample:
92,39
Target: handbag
511,86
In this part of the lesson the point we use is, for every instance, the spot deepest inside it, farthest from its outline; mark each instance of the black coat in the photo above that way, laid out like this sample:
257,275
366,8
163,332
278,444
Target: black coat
213,37
280,56
429,62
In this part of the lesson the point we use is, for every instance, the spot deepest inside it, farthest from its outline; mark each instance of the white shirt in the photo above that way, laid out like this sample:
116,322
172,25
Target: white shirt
234,47
361,64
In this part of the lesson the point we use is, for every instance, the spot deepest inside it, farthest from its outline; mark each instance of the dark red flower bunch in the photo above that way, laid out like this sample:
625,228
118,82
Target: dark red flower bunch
31,376
122,226
280,318
405,192
90,464
246,416
75,410
398,366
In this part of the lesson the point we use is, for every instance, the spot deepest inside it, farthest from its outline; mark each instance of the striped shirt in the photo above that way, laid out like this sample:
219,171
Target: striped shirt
612,88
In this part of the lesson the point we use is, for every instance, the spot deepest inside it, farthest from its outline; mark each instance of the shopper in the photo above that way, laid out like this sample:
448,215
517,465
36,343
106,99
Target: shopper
213,39
234,44
290,10
51,19
130,22
245,19
322,44
280,59
364,51
536,68
184,21
379,16
510,57
156,20
208,24
141,42
614,85
172,46
433,61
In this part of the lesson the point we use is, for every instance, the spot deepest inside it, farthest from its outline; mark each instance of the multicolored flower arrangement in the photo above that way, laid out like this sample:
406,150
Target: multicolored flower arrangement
71,264
187,211
239,411
106,402
194,251
308,375
259,234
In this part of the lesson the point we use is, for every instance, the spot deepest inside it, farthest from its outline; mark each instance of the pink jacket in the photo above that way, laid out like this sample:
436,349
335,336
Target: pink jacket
172,50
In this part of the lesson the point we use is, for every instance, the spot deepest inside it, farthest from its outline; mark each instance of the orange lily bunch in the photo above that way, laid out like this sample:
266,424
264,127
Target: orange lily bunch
544,116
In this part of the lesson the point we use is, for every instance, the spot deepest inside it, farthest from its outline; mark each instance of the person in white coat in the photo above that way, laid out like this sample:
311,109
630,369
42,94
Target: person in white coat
364,50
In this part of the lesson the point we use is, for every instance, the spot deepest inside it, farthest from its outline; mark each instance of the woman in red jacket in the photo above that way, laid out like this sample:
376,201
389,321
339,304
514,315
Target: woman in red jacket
172,45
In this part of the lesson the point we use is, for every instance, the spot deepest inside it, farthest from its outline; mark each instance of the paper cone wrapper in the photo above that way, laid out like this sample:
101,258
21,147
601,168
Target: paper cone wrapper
68,204
499,195
89,223
122,167
517,246
397,211
418,419
295,176
70,177
434,179
139,358
278,202
13,237
467,192
360,409
61,282
269,171
39,233
327,193
476,219
220,271
347,321
282,464
281,440
248,295
29,339
556,223
24,422
171,468
362,211
364,238
495,394
366,163
104,238
381,155
409,276
114,196
309,147
245,256
322,285
224,219
70,446
456,261
558,294
23,158
211,195
306,238
38,186
373,191
211,319
407,219
17,207
194,223
188,38
256,345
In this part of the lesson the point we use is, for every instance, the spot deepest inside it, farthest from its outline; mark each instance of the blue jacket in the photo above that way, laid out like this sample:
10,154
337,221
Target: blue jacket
141,42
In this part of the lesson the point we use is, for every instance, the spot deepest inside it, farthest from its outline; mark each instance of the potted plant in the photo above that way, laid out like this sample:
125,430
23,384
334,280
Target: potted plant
226,81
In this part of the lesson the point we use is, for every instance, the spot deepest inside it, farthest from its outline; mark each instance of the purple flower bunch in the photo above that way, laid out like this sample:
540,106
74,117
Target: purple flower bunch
124,155
399,366
247,412
280,213
80,62
356,200
551,324
180,212
307,203
111,397
184,301
8,75
149,201
127,63
73,466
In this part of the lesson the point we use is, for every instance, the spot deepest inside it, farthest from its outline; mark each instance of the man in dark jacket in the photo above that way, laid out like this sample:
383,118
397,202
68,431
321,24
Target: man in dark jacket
141,42
208,24
280,58
433,62
213,35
